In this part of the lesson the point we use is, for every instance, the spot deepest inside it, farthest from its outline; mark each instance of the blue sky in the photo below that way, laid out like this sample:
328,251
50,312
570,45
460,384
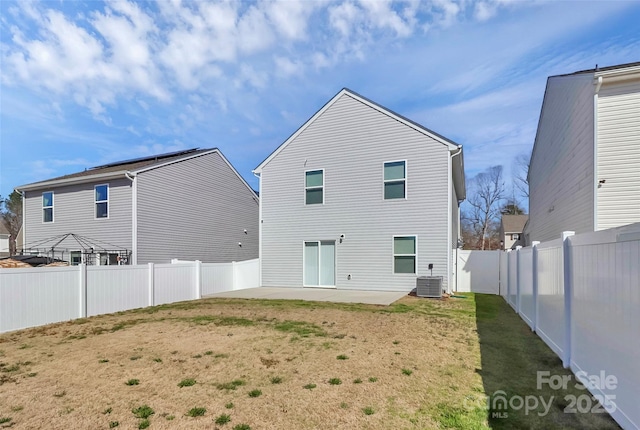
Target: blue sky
85,83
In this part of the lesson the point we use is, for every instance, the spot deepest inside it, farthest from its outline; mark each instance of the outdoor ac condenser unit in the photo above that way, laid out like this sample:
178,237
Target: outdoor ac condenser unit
429,286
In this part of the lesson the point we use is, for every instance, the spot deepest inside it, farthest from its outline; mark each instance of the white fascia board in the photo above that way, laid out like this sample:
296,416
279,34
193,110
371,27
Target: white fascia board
304,126
238,175
451,146
71,181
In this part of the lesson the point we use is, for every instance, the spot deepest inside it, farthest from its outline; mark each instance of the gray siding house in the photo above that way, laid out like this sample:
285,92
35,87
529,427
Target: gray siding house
189,205
585,167
360,198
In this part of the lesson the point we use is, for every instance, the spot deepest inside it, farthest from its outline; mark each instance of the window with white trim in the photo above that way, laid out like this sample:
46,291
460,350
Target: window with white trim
314,187
395,180
76,258
404,254
47,206
102,201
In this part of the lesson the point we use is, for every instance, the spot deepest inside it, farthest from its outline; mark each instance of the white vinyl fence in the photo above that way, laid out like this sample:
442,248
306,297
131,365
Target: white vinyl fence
478,271
38,296
581,295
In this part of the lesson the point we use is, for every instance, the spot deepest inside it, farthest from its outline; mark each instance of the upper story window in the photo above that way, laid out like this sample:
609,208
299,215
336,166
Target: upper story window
314,187
102,201
515,236
47,206
395,180
404,254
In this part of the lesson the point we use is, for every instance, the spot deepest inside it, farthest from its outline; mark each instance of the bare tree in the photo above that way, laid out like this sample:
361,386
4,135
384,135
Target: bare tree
485,192
520,169
11,215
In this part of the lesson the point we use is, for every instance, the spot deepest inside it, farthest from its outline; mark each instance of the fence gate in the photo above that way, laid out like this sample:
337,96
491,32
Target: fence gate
478,271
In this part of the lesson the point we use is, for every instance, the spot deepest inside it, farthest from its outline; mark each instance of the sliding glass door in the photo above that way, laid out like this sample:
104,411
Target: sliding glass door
320,264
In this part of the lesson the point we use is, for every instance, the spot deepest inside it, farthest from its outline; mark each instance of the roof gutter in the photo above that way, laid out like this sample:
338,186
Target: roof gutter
132,176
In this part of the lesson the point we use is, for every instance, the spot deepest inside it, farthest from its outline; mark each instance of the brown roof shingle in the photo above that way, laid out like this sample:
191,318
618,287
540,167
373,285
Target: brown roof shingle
514,223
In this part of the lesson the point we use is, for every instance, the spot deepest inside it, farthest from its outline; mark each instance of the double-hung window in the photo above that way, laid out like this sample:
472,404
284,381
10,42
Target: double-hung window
102,201
404,254
395,180
314,187
47,206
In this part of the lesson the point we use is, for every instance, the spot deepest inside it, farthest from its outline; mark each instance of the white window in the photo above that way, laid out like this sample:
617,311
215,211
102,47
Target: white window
102,201
76,258
395,180
515,236
107,259
314,187
404,254
47,206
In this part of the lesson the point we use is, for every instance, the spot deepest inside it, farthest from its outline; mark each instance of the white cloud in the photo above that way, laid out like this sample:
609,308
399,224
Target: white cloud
286,67
290,17
254,32
255,78
382,16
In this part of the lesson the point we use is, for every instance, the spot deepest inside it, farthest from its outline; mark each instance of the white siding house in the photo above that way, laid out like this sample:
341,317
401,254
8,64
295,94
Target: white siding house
5,237
359,197
585,166
189,205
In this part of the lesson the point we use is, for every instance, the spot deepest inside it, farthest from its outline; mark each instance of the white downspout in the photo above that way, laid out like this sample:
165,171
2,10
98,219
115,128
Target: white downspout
24,224
595,154
134,216
450,205
259,176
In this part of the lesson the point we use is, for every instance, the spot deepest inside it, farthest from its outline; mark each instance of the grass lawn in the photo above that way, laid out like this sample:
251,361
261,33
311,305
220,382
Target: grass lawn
273,364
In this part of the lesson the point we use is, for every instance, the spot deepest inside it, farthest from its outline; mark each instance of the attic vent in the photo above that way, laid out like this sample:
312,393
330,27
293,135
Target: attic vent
429,286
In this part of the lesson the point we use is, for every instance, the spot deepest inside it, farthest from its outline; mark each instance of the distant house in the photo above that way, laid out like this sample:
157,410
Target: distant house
511,228
360,197
4,240
190,205
585,167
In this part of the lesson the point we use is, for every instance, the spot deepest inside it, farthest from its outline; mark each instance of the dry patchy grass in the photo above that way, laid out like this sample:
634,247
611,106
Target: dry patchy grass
195,362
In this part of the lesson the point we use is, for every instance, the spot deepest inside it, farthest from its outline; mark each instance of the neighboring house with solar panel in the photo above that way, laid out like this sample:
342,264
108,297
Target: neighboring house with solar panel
584,173
189,205
360,197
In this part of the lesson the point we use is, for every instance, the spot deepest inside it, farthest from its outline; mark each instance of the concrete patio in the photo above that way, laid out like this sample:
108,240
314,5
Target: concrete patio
315,294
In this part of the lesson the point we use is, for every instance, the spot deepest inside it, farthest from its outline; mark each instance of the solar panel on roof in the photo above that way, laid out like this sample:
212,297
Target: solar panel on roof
152,157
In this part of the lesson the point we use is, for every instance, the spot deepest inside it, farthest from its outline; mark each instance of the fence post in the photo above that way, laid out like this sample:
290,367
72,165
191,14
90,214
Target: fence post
151,283
518,271
508,280
198,279
534,265
82,270
234,276
568,293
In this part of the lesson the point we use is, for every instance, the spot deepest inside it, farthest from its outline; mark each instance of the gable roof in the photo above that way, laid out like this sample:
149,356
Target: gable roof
116,169
345,91
610,73
3,228
128,167
454,148
514,223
